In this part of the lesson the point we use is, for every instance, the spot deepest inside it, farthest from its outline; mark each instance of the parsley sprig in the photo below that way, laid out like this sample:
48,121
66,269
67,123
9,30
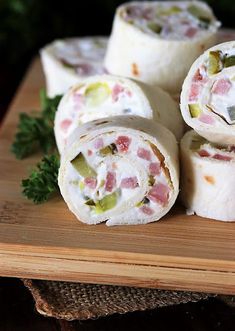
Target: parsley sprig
42,182
36,132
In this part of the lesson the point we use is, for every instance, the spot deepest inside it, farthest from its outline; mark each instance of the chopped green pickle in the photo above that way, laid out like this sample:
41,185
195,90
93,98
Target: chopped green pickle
194,110
110,149
81,185
108,202
229,61
197,142
215,64
151,180
81,165
97,93
231,112
170,11
154,27
142,202
199,13
90,202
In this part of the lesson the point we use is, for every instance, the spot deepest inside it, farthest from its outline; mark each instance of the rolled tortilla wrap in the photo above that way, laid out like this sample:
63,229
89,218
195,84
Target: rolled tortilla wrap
208,94
105,96
122,170
156,42
67,61
207,177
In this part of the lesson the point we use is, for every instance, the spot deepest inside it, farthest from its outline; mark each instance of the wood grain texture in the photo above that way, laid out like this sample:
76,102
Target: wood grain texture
47,242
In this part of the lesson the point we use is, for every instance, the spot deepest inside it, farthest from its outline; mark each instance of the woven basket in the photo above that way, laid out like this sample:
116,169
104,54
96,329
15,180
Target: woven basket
76,301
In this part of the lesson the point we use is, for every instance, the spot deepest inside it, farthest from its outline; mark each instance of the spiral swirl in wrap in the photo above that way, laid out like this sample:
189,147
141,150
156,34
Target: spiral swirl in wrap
114,171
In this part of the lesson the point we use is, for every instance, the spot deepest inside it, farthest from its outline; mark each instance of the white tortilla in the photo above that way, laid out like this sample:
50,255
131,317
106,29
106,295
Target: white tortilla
207,184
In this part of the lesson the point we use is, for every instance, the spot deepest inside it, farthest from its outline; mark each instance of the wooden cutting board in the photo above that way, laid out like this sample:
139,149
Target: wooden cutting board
47,242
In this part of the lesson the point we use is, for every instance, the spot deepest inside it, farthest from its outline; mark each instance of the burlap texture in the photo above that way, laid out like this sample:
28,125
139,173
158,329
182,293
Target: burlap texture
76,301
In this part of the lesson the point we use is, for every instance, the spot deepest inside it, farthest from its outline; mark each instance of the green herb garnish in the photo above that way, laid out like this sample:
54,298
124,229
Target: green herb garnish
42,182
36,132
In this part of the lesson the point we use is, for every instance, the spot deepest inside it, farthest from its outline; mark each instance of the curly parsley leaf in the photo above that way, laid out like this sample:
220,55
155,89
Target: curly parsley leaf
36,132
42,182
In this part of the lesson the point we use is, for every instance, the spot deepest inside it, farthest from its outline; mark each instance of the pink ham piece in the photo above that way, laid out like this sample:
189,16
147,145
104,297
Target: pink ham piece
194,92
123,143
90,182
65,124
191,32
203,153
98,143
144,154
146,210
154,168
207,119
221,86
110,182
222,157
129,182
159,193
117,90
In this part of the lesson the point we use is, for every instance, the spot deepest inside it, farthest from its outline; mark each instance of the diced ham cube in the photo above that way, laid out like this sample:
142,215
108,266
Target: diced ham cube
144,154
65,124
197,76
159,193
203,153
222,157
89,152
90,182
117,89
146,210
222,86
194,91
191,32
123,143
154,168
84,69
99,143
207,119
110,182
129,182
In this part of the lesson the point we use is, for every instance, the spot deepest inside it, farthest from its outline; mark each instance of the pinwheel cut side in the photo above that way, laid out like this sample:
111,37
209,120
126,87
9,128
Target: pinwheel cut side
208,94
115,172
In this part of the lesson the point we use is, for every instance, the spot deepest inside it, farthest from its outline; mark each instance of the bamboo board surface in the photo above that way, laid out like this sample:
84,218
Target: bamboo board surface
47,242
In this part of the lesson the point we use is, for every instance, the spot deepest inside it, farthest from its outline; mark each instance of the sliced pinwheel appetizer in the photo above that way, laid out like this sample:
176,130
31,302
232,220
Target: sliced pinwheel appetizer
114,171
157,42
207,177
208,94
66,61
105,96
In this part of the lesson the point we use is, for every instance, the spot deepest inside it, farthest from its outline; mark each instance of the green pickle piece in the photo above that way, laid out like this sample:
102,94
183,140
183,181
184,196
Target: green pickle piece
231,112
110,149
215,64
196,143
229,61
151,180
170,11
154,27
81,165
97,93
194,110
108,202
199,13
